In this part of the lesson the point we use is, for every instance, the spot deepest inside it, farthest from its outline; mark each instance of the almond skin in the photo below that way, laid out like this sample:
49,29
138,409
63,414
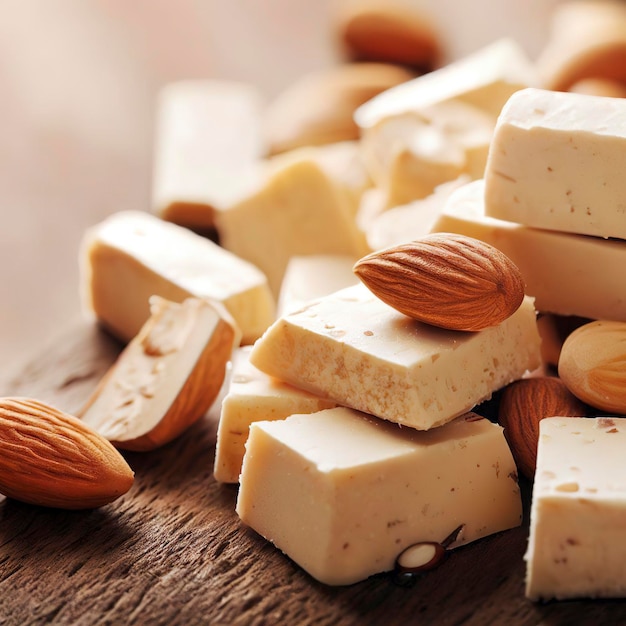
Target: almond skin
50,458
592,364
445,279
379,30
523,404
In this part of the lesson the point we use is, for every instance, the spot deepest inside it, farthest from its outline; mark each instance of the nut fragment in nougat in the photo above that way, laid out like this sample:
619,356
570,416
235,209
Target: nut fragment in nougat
166,378
343,494
207,148
556,162
576,545
356,350
253,396
131,256
567,274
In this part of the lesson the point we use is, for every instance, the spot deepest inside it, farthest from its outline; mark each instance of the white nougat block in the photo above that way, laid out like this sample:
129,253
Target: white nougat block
131,256
253,396
484,79
307,205
342,493
576,546
313,276
556,162
208,148
353,348
567,274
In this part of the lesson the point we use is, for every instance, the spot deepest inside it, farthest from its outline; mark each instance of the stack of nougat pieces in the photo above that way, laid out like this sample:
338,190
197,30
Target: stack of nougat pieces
346,423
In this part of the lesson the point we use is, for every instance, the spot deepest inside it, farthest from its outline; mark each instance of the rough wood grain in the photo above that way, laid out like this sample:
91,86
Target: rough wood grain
172,550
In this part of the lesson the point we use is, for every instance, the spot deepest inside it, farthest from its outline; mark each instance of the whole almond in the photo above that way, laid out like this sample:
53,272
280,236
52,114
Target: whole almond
523,404
388,31
592,364
50,458
318,108
445,279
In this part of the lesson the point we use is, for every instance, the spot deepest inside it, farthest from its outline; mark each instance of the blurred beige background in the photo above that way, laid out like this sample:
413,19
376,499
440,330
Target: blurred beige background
78,80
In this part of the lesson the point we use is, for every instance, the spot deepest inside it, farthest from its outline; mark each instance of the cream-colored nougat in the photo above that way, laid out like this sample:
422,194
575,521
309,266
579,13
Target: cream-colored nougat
301,209
567,274
253,396
410,221
342,162
556,162
131,256
342,493
207,148
355,349
167,377
314,276
576,545
485,79
410,154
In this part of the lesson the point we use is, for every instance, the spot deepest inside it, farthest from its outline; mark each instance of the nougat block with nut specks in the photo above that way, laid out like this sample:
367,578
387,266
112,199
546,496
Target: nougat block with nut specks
343,493
356,350
578,514
252,397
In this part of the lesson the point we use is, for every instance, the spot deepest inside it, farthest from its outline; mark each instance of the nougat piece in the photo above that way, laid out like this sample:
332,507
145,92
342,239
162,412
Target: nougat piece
342,493
567,274
410,154
485,79
314,276
556,163
305,207
356,350
410,221
252,397
167,377
208,148
576,545
132,255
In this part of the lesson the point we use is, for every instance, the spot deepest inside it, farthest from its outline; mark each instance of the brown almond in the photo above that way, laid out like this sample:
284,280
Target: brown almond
586,40
592,364
523,404
318,108
388,31
50,458
445,279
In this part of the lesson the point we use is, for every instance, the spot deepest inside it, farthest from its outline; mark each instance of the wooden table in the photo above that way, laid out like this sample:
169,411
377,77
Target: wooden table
173,551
